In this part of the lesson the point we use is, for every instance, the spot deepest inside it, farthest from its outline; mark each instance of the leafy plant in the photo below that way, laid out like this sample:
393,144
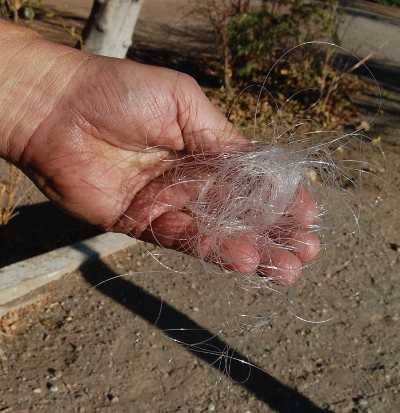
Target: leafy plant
250,38
257,38
253,37
219,14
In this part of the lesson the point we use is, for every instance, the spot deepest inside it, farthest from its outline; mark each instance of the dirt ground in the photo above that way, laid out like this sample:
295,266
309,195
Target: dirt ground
151,340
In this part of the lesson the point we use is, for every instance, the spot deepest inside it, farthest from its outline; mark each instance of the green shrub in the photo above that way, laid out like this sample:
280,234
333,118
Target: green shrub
257,38
252,38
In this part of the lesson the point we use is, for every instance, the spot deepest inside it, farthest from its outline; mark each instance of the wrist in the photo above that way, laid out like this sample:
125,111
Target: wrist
34,74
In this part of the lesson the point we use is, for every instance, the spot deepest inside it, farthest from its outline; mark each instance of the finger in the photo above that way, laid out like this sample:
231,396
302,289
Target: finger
154,200
173,229
204,127
306,245
304,209
239,253
176,229
281,265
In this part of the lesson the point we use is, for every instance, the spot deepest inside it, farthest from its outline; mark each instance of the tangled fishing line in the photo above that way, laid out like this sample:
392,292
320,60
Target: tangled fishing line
252,197
262,212
277,198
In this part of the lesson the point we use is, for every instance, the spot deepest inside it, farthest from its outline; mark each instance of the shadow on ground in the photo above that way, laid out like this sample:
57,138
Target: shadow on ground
355,11
40,228
386,74
188,49
182,62
201,343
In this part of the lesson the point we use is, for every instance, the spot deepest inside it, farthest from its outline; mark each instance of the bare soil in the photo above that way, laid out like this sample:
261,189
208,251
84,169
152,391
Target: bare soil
111,348
152,340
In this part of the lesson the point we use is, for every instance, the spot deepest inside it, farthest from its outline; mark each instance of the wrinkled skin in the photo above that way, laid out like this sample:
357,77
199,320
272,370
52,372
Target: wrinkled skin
91,156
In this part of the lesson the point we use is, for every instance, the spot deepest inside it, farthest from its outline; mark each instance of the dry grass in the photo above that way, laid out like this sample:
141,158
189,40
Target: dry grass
9,194
16,9
31,11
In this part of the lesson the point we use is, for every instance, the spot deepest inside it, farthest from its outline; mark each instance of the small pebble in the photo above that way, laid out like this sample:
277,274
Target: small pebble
112,398
52,387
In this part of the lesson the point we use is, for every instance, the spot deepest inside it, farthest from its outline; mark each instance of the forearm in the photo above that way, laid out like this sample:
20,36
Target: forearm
33,75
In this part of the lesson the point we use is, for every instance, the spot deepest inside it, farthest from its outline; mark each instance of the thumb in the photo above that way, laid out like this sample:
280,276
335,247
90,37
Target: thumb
204,127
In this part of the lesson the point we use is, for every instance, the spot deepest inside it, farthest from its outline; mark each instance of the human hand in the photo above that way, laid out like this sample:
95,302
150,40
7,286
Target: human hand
102,143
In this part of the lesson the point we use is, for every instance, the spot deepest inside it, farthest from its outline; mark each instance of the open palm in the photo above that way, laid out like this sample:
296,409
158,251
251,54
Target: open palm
103,149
